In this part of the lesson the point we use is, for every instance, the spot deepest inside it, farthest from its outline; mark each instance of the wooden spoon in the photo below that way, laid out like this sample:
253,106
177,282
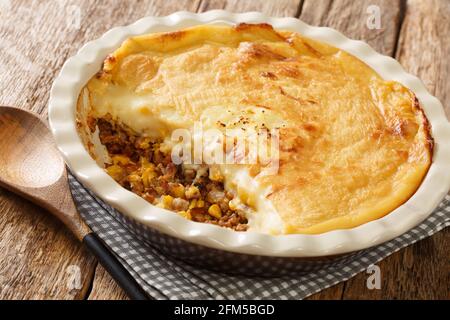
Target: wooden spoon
31,166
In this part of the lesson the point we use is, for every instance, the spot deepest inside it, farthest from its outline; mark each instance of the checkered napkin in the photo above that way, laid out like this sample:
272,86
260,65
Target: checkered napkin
163,277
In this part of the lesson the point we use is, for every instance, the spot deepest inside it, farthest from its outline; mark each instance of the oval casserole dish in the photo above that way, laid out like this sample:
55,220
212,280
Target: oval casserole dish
359,235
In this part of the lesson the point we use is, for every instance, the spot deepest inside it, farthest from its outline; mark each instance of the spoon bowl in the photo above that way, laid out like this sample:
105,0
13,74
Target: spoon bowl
31,166
28,156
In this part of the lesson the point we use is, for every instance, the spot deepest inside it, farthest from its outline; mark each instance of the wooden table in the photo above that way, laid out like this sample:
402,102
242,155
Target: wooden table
39,259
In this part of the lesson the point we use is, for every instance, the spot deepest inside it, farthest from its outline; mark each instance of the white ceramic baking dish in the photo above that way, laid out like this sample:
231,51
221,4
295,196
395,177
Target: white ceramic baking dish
81,67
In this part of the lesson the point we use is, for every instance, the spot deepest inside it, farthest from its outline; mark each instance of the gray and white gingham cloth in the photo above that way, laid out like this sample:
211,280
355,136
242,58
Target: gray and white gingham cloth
163,277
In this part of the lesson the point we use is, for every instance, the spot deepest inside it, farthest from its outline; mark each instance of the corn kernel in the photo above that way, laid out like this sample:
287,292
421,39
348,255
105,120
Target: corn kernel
192,192
215,211
185,214
120,159
147,176
145,143
115,171
200,203
148,165
251,201
177,191
134,178
243,195
143,161
232,205
167,201
193,204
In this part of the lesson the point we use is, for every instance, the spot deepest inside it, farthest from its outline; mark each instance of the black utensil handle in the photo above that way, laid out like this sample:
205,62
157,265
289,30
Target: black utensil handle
114,267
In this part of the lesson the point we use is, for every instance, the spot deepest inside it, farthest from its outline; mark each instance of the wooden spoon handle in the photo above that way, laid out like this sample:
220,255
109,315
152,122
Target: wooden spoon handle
114,267
57,199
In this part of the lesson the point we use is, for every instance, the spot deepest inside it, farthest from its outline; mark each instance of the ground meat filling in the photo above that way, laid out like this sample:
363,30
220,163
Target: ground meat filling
144,167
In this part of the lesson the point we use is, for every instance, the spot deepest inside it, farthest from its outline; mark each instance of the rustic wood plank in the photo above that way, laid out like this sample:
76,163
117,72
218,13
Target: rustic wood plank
352,17
332,293
422,270
105,288
424,46
39,258
280,8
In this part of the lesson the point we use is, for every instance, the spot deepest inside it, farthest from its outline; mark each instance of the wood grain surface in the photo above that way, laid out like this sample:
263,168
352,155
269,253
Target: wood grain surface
40,259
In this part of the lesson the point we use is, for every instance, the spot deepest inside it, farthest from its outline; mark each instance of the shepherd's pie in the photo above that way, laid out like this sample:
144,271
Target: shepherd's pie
351,148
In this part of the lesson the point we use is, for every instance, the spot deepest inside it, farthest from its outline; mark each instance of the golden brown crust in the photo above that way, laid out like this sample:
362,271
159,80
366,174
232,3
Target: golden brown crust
427,127
252,26
258,27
